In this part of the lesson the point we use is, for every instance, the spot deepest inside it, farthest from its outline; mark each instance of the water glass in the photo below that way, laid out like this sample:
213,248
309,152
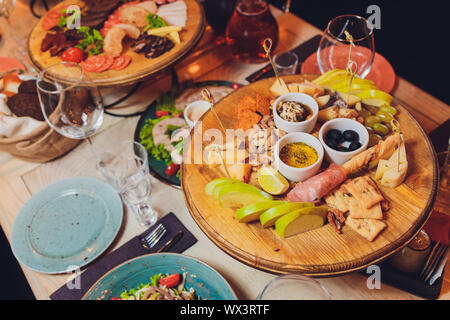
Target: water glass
127,171
294,287
286,63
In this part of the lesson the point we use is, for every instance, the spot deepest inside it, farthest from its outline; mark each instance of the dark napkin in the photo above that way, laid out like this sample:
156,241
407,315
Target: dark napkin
303,51
129,250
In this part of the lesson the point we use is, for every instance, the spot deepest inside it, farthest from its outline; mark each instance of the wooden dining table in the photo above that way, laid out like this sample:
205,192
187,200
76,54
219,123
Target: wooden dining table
20,180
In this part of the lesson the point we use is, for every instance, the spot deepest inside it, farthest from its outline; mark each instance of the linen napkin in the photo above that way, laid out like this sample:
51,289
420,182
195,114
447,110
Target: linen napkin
129,250
11,126
303,51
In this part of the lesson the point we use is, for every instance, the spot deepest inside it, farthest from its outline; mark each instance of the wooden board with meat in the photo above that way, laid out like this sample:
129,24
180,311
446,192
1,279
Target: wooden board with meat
312,177
121,44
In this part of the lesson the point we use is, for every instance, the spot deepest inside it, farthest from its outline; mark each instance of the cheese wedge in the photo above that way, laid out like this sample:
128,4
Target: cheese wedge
174,36
163,31
279,87
350,99
392,172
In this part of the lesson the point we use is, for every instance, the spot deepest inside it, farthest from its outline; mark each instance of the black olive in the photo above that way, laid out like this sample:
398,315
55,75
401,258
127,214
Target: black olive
334,134
332,143
350,135
343,149
355,145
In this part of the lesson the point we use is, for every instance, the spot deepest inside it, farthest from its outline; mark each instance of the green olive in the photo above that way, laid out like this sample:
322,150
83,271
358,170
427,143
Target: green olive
388,109
384,116
381,129
371,121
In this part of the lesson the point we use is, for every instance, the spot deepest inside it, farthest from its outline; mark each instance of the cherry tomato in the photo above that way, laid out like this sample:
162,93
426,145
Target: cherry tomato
172,169
235,85
73,55
170,281
161,113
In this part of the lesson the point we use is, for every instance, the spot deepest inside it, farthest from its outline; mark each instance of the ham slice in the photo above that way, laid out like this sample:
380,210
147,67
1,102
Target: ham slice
318,186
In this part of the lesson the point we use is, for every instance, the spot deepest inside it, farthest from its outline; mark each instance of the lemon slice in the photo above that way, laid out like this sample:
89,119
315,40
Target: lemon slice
272,181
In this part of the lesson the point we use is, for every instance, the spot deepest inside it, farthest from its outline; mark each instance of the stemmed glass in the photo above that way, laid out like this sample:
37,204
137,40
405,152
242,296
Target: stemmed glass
71,103
334,47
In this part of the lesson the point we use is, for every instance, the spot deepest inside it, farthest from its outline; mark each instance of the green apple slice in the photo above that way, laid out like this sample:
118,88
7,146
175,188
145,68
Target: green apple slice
269,217
253,211
300,220
218,187
212,184
241,194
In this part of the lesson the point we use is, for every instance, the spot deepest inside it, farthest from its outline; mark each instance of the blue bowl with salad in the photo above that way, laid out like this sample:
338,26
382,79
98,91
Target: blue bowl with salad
158,127
161,276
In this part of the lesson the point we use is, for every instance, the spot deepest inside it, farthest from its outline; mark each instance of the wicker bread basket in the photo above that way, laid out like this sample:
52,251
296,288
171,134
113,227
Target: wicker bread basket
40,145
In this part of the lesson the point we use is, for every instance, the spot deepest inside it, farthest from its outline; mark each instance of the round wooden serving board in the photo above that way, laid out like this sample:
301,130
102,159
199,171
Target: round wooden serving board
140,67
320,252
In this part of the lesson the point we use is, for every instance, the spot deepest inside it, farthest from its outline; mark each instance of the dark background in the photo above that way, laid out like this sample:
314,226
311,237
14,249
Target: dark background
413,37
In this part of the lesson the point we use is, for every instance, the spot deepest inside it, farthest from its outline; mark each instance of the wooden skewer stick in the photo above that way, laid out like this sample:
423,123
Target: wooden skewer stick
209,98
350,62
267,46
396,128
219,151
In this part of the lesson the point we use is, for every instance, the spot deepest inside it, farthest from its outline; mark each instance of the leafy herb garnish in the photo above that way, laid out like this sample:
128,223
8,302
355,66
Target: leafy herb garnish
93,40
154,21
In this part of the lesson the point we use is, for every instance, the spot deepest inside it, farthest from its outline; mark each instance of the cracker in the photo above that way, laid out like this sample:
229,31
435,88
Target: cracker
365,191
358,212
368,228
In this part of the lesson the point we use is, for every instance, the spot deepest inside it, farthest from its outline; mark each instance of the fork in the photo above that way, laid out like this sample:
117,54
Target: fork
150,240
433,261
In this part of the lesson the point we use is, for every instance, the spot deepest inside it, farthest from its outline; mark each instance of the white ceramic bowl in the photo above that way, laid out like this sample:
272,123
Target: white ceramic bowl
197,106
298,174
342,124
302,126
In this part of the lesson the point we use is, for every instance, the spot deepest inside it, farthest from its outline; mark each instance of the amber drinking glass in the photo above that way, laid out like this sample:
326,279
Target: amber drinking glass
250,24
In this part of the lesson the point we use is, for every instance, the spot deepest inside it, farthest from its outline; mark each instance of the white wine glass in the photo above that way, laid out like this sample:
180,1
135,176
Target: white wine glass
71,103
334,47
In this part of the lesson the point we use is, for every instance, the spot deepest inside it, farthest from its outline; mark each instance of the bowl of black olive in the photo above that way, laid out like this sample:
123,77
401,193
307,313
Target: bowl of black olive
342,139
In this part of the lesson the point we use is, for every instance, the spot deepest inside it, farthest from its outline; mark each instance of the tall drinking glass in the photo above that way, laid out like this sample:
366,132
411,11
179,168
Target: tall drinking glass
126,169
334,47
70,101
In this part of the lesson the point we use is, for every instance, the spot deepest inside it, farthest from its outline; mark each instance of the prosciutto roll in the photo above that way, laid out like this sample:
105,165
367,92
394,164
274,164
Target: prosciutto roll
318,186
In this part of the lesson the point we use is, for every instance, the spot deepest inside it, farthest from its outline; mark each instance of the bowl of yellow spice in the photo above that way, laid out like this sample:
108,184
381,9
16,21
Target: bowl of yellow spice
298,156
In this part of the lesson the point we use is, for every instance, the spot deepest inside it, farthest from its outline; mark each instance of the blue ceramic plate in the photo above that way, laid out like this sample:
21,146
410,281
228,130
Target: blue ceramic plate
207,283
66,225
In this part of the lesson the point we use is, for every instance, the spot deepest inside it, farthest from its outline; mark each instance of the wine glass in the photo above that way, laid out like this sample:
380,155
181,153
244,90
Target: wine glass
71,103
334,47
294,287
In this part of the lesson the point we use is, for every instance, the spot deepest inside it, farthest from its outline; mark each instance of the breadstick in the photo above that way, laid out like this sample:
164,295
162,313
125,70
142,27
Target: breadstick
371,157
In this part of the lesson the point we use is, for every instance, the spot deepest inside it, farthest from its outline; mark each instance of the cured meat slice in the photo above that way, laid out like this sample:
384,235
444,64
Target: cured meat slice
121,62
318,186
97,63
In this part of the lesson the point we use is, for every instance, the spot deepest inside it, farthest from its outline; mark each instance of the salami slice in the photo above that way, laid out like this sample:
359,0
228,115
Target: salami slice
121,62
318,186
97,63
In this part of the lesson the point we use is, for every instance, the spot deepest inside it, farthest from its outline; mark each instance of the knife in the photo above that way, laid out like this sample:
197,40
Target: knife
171,242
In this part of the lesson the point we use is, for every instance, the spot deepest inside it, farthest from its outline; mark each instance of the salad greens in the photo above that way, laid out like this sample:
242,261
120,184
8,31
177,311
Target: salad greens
159,152
93,40
154,21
